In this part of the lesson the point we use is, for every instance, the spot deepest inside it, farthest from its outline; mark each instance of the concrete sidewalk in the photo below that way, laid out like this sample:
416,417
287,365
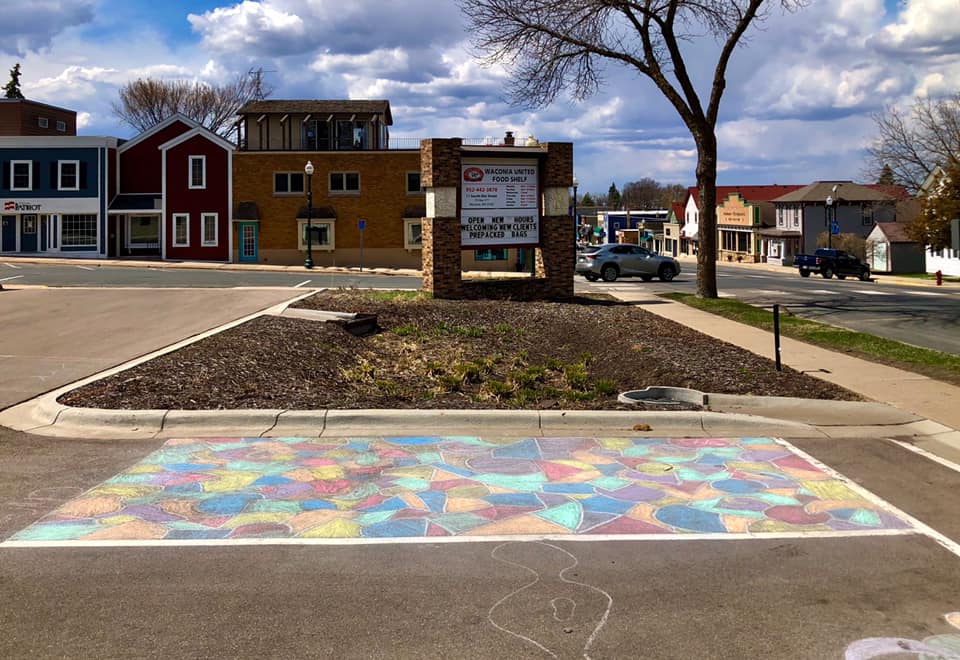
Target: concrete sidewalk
910,392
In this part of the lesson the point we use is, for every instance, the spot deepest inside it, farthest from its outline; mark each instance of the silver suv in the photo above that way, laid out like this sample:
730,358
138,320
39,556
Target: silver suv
613,260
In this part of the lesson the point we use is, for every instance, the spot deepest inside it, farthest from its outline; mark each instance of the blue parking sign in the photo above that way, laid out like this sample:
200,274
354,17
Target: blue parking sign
835,228
362,224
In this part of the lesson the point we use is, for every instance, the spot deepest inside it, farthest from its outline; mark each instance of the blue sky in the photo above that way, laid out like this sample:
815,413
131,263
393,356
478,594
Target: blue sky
797,108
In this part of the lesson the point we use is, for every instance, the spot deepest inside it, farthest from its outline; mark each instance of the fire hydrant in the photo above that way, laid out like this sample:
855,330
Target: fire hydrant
939,278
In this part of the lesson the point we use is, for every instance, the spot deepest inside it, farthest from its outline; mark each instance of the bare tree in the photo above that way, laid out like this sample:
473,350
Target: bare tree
912,142
555,45
146,102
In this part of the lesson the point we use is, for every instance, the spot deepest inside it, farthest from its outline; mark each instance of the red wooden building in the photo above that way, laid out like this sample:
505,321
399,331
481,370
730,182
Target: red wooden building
175,197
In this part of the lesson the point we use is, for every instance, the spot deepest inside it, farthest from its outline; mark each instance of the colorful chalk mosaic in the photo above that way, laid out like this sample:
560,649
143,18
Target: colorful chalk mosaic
455,486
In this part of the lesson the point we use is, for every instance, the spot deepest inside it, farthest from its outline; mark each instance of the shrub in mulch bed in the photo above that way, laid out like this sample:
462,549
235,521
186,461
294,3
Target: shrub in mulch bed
445,354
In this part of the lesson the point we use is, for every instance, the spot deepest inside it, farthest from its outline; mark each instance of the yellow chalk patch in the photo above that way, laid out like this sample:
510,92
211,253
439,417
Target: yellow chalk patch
254,517
468,491
227,480
117,520
819,506
831,490
339,528
736,524
145,468
184,508
125,490
327,473
615,443
778,526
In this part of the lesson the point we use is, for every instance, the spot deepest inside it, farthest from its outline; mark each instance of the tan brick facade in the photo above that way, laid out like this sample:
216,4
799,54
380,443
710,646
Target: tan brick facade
381,201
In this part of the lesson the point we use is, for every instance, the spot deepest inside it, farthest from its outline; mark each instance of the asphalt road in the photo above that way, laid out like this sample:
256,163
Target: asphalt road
697,598
918,315
93,275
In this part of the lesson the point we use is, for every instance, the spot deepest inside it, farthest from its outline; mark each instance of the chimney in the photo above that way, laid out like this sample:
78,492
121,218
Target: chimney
508,140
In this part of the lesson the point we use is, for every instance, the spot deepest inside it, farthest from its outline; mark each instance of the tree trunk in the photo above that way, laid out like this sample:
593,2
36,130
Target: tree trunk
707,231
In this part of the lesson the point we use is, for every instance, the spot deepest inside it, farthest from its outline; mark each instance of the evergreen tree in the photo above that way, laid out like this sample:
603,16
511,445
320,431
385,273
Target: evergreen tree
587,200
939,207
886,176
12,89
613,196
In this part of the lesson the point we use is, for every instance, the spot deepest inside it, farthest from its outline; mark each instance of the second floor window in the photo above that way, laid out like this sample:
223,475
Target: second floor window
344,182
69,174
21,175
198,171
43,122
413,183
62,126
288,182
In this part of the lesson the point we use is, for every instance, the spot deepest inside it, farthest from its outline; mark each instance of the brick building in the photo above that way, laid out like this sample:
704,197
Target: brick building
361,177
22,117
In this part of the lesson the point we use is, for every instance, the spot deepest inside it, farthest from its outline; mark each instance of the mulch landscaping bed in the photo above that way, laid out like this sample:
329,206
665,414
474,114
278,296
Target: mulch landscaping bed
445,354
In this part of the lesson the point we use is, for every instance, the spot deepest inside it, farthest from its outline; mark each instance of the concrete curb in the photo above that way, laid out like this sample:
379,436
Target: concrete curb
44,416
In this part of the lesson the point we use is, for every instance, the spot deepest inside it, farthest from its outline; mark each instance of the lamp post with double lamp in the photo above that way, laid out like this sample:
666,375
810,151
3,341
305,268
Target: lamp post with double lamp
308,170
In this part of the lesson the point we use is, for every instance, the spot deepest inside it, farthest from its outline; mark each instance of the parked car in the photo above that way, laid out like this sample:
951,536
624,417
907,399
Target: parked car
829,262
612,260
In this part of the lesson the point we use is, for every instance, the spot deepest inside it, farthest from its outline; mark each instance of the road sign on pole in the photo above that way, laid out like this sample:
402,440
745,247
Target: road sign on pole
362,224
835,228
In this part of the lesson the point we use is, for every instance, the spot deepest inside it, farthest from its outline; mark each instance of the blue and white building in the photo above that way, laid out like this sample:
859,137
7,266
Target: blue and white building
54,194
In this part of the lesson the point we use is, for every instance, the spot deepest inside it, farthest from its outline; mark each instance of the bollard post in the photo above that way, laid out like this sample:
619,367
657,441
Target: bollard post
939,278
776,335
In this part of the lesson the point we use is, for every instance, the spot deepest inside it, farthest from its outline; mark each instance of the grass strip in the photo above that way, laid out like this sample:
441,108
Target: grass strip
924,361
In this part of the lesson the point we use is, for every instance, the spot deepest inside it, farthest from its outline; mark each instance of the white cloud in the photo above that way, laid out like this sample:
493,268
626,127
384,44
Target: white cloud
31,26
261,26
924,26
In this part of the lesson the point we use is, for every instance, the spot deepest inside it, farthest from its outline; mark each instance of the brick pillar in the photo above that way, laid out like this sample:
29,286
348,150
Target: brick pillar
440,244
556,257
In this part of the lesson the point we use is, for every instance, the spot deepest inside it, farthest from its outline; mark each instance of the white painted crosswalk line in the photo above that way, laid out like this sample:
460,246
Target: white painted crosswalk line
927,293
826,292
11,266
868,292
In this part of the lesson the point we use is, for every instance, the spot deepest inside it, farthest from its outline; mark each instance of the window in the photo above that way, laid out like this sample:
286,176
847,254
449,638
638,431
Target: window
209,238
62,126
143,231
21,175
413,183
352,134
181,230
344,182
867,216
498,254
288,183
198,172
79,231
29,224
43,122
68,174
323,234
412,234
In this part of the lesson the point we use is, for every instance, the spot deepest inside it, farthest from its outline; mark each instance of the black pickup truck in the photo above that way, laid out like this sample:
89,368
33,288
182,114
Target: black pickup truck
830,262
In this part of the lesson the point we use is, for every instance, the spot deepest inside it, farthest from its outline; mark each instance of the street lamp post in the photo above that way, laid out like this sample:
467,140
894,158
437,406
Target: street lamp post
576,223
308,263
830,205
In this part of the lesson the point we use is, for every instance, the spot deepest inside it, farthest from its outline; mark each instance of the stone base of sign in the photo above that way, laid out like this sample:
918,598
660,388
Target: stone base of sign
555,258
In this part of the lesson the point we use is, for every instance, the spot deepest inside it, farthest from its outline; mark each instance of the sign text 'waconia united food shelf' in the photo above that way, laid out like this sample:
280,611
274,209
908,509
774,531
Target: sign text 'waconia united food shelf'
499,204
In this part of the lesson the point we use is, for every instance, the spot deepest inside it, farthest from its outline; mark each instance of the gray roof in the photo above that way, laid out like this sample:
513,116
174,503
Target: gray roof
847,191
301,107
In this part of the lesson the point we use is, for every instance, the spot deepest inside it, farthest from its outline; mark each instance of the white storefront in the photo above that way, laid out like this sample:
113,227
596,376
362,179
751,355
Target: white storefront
50,225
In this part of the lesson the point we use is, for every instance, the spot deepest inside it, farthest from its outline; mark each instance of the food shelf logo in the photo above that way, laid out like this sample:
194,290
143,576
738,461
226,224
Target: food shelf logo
473,175
19,206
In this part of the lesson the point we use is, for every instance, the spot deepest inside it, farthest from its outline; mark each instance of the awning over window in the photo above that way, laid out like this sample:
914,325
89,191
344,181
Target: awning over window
246,212
132,203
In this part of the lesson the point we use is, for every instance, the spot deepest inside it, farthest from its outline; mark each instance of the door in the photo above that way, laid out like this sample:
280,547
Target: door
8,233
28,233
248,241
